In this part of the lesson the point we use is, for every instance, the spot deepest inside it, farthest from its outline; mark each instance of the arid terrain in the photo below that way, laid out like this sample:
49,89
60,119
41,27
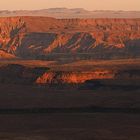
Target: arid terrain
69,79
62,13
69,39
99,101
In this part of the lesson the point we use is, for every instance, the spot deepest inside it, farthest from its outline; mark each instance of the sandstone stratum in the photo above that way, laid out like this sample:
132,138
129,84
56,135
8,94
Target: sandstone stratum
45,37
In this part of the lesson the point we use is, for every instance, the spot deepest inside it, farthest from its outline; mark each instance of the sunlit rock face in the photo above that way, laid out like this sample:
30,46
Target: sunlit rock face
19,74
5,55
73,77
37,37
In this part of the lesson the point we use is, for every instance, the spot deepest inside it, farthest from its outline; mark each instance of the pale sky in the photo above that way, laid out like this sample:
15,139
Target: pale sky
86,4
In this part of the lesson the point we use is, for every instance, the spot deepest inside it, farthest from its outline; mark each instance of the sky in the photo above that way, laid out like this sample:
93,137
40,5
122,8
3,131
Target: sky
126,5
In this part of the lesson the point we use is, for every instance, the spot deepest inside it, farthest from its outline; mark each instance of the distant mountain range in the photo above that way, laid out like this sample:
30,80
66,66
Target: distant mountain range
72,13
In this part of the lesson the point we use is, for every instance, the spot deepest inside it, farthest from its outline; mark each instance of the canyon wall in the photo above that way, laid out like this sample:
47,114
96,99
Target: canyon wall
61,77
41,37
19,74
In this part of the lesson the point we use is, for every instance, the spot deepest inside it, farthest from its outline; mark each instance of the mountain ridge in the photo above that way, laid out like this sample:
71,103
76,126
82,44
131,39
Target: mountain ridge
62,13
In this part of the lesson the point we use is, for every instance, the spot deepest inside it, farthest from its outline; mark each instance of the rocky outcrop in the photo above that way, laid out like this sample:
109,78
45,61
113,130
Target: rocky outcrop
73,77
38,37
80,77
11,34
19,74
5,55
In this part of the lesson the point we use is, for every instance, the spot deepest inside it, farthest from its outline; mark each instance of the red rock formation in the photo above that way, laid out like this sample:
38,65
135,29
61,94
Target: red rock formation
37,36
73,77
18,74
4,55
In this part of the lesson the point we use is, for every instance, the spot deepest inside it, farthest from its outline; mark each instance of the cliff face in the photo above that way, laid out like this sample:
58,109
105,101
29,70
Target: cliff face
4,55
18,74
73,77
39,36
10,34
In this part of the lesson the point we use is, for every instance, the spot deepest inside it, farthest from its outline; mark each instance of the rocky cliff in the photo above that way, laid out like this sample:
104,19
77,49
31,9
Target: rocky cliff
39,37
19,74
61,77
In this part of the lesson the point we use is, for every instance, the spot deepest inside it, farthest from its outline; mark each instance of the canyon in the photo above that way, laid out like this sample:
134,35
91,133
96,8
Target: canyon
56,39
69,78
61,42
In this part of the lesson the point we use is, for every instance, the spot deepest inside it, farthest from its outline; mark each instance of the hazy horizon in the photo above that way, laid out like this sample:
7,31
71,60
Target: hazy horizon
125,5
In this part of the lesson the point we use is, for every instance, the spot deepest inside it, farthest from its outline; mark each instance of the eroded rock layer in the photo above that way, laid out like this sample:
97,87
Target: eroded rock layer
74,77
38,37
18,74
